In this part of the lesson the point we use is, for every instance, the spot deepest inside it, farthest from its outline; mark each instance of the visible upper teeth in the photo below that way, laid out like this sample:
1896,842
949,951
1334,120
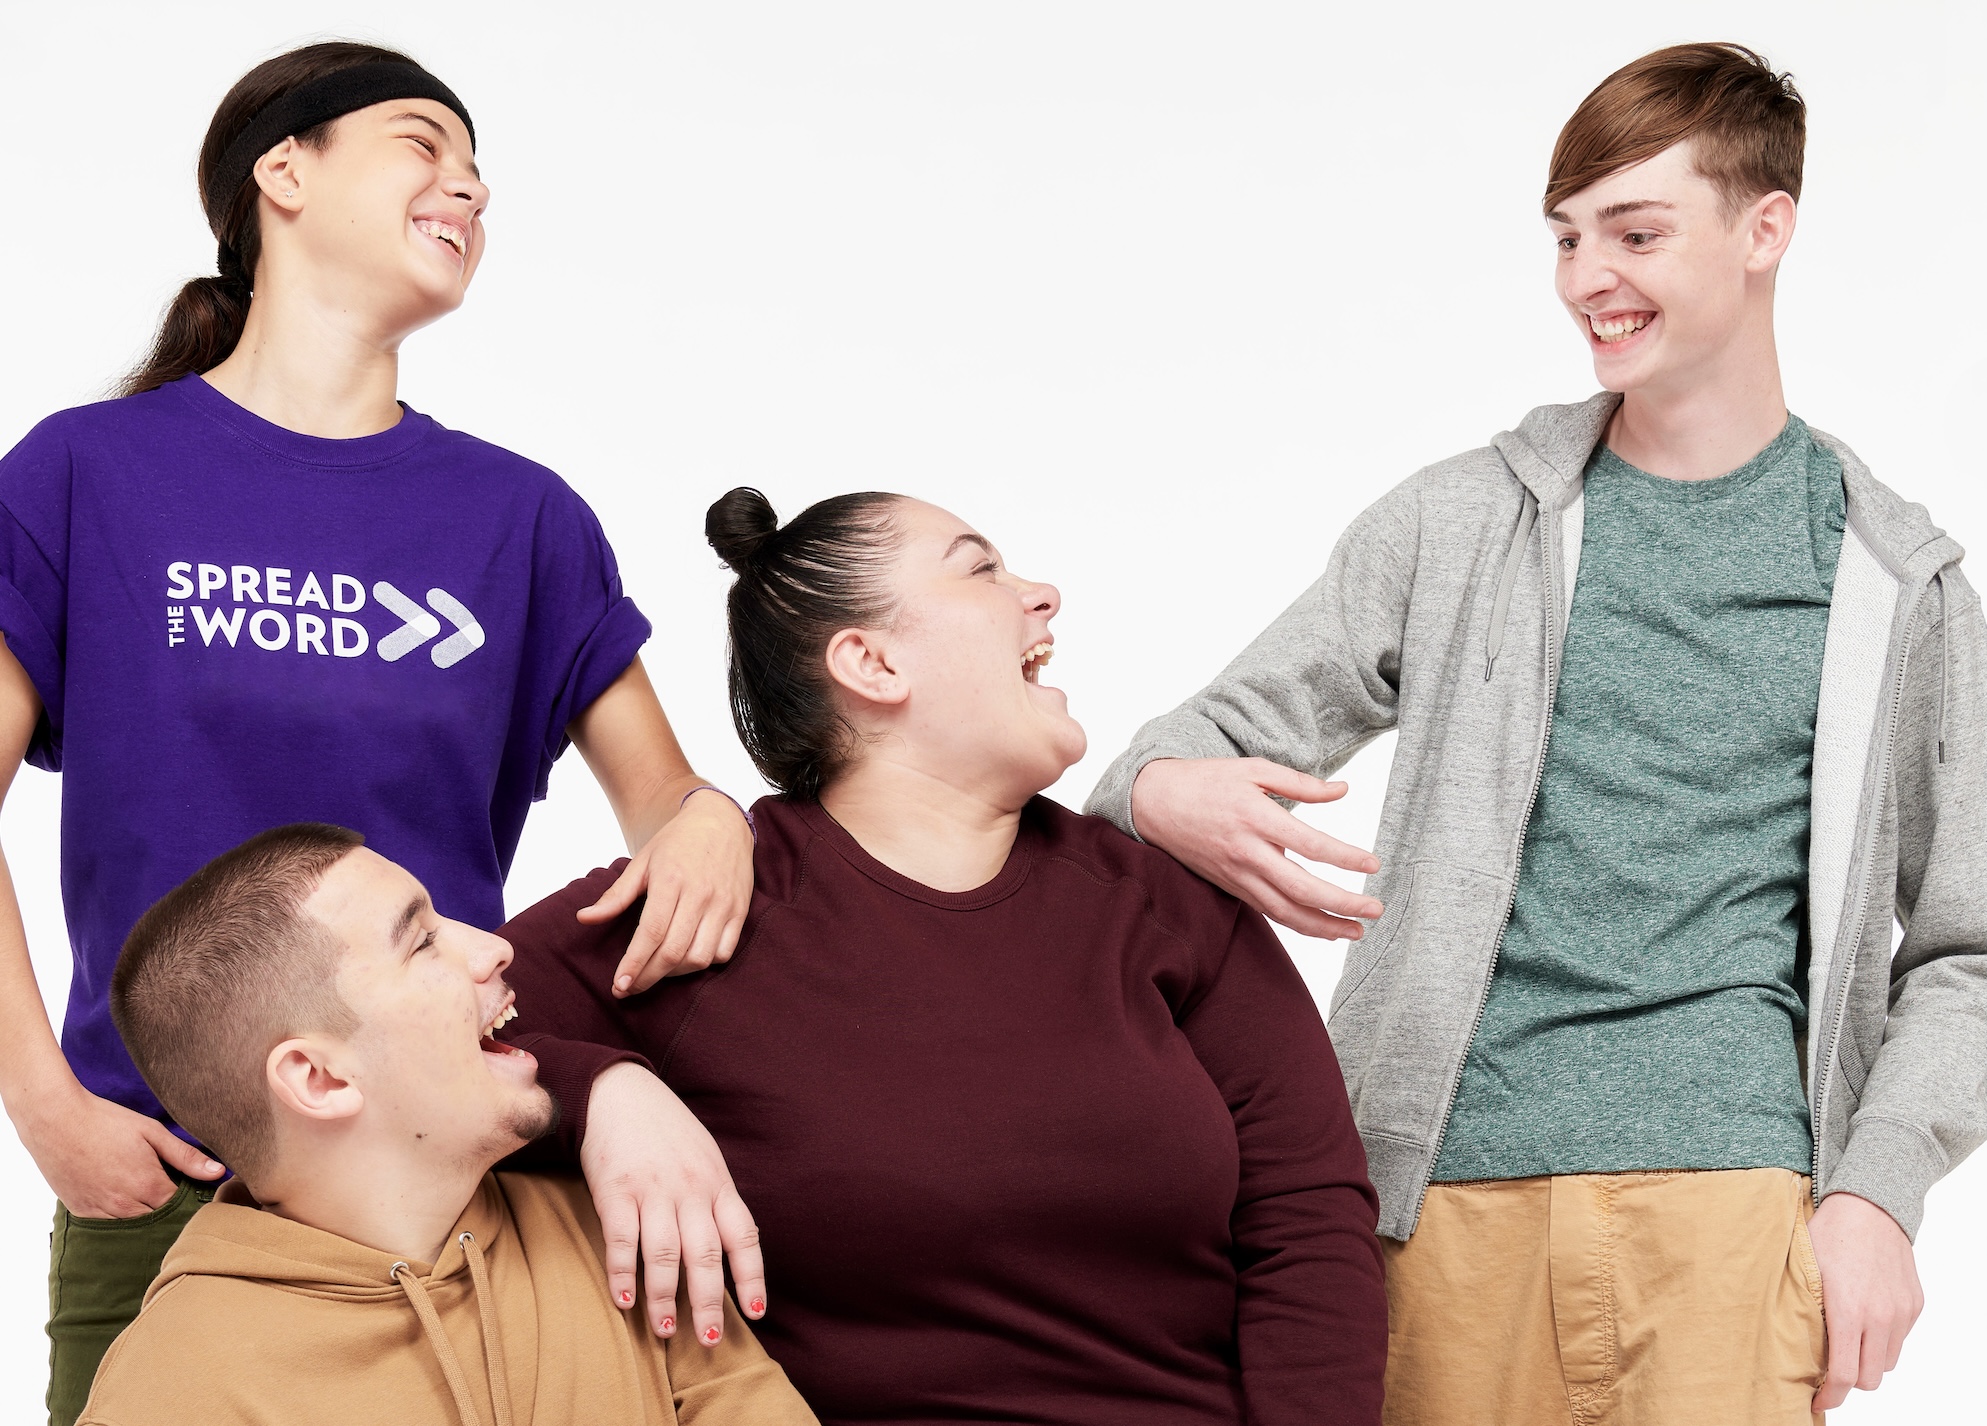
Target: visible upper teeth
509,1014
1042,652
1614,329
440,230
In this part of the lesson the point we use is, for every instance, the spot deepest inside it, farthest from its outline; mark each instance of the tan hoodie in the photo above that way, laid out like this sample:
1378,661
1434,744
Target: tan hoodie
258,1319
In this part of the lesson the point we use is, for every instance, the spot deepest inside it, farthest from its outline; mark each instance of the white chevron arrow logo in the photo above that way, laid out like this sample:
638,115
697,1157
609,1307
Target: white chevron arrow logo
468,635
418,626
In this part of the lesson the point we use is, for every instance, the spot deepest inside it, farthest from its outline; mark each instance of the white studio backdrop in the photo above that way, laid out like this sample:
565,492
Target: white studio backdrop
1157,295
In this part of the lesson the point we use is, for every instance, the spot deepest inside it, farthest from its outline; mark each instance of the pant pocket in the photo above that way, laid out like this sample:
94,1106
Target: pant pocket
98,1273
1802,1267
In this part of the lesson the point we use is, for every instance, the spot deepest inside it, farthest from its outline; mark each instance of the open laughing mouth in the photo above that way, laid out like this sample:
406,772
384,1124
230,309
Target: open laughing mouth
487,1042
1034,658
449,235
1617,328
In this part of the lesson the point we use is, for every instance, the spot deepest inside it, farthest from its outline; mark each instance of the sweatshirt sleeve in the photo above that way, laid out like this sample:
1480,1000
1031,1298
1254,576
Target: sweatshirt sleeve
568,1019
1315,687
732,1384
1924,1105
1311,1310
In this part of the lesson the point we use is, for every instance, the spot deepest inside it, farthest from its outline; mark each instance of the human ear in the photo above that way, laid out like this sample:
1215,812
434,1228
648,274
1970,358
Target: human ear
300,1076
1772,226
859,662
279,175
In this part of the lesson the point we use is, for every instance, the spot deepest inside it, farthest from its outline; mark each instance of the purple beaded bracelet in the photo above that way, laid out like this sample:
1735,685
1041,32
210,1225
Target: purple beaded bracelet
743,810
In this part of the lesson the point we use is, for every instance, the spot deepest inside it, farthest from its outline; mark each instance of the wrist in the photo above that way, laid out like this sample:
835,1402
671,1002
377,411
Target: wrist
743,810
48,1095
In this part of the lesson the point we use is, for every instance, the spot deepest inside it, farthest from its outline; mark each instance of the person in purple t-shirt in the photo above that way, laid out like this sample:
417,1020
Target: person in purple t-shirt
256,589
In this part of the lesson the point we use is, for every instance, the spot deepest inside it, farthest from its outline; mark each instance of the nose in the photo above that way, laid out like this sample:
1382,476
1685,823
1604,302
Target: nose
1041,599
470,189
1586,273
488,955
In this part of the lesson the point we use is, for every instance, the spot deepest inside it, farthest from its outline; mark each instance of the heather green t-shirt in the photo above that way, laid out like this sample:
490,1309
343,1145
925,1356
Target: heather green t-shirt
1651,985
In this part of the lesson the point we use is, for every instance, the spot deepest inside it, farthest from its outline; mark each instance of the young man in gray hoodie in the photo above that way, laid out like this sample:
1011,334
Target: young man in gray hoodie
1690,709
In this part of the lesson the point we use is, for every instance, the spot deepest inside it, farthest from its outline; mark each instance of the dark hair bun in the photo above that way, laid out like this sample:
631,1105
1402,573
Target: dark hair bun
738,524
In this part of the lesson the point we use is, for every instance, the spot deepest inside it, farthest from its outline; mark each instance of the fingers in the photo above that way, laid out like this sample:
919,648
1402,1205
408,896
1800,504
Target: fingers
740,1236
647,954
621,1233
627,888
1316,846
703,1274
1845,1354
1288,782
181,1155
662,1261
1294,883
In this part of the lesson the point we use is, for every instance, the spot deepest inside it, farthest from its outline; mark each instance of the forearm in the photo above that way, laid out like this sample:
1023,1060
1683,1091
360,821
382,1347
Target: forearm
1311,1309
33,1071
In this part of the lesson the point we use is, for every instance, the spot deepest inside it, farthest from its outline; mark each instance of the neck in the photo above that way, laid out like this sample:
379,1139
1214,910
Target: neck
1728,411
306,362
924,827
381,1200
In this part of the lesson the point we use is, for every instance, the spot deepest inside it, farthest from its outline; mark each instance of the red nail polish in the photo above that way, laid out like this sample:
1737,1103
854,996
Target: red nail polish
756,1306
626,1298
710,1334
669,1324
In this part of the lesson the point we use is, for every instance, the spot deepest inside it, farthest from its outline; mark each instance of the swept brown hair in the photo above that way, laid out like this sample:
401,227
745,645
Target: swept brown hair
224,967
1748,125
206,318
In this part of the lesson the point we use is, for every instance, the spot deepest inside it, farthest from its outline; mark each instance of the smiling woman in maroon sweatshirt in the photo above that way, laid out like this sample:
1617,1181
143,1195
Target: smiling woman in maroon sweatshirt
1037,1126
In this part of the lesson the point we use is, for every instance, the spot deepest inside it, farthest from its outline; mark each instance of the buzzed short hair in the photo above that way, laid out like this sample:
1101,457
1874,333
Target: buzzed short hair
222,969
1748,125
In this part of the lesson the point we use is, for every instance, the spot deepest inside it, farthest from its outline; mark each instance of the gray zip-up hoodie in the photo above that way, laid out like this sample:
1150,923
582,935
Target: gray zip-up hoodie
1442,615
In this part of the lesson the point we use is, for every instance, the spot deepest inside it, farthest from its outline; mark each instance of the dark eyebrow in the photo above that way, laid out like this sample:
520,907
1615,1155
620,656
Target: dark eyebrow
424,119
1613,210
969,539
407,917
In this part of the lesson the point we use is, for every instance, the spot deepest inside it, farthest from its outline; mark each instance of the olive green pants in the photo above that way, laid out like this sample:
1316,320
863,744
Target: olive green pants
98,1270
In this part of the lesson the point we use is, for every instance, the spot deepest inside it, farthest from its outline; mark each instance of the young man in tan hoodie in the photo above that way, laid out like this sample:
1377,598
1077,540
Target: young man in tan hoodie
301,1009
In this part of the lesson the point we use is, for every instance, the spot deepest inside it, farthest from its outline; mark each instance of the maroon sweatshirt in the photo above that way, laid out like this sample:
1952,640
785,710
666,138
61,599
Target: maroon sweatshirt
1069,1148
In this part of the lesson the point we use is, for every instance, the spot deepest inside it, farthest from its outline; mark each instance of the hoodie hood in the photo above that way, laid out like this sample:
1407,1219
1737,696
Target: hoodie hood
233,1237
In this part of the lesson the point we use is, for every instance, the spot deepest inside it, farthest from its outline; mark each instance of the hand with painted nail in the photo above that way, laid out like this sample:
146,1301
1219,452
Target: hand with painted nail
1218,817
667,1205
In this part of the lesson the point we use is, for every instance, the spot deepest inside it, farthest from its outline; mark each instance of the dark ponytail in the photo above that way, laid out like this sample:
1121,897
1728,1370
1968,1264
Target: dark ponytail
206,319
797,586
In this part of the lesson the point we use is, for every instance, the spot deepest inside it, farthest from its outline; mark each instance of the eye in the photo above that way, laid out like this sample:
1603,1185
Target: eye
987,567
1567,243
427,943
1639,240
424,144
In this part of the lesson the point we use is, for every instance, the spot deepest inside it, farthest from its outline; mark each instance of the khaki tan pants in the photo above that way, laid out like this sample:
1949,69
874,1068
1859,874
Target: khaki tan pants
1633,1299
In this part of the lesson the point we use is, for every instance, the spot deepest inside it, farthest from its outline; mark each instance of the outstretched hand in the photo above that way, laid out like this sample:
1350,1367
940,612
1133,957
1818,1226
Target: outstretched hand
1216,817
1869,1293
667,1204
697,875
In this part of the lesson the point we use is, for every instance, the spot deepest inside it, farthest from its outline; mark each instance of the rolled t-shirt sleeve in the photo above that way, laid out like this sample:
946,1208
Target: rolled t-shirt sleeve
587,629
35,484
1311,1308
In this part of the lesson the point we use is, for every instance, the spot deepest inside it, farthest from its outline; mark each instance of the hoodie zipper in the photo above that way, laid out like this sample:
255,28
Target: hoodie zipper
1546,526
1823,1080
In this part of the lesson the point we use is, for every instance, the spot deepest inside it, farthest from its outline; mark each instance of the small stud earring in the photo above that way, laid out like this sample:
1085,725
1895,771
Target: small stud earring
289,192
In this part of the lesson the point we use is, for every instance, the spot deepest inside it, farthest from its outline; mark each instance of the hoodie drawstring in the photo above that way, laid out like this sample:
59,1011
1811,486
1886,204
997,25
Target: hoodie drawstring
493,1345
444,1350
1500,608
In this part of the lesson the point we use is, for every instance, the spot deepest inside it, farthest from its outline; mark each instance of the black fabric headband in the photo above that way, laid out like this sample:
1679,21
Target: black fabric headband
319,101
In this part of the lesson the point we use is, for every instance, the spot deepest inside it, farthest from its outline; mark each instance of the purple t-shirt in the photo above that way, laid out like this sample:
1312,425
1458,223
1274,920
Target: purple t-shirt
233,626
